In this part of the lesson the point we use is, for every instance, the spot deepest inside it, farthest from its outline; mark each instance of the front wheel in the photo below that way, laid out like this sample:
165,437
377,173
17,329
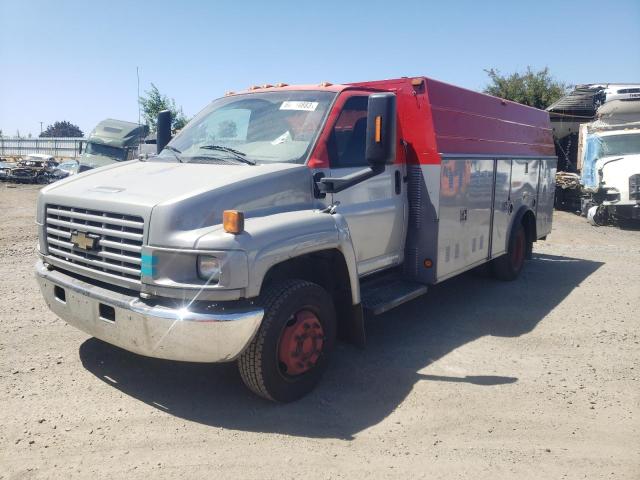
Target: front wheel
290,352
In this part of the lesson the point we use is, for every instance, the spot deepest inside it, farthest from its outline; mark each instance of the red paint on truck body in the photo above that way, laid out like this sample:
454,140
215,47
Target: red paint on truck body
436,118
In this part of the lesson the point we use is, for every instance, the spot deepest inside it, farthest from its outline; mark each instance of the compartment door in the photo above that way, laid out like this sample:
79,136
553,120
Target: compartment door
546,194
502,207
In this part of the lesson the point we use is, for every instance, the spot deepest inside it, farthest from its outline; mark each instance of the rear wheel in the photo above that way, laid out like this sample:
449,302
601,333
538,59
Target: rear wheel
290,352
508,267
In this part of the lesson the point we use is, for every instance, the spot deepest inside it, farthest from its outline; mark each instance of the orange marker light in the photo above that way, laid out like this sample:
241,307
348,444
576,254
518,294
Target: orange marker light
427,263
378,129
416,82
233,221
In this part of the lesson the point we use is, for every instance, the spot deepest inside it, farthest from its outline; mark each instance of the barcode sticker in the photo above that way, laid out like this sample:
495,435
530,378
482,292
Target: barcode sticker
299,105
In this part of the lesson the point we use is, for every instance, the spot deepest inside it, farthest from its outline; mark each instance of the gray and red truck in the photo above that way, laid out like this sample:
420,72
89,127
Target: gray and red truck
281,216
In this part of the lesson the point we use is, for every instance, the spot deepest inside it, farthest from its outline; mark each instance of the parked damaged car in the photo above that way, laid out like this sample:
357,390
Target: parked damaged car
66,169
34,168
4,170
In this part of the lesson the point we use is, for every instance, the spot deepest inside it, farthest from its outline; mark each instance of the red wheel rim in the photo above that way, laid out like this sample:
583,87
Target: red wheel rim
517,255
300,343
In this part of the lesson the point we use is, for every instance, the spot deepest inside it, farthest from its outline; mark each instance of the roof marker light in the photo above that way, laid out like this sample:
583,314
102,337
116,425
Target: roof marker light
416,82
282,84
326,84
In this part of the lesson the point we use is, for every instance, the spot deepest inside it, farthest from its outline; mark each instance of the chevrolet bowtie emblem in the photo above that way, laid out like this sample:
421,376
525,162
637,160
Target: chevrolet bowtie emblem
83,240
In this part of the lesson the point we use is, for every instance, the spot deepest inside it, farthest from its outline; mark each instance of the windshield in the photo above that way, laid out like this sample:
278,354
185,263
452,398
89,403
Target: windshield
615,145
105,150
263,127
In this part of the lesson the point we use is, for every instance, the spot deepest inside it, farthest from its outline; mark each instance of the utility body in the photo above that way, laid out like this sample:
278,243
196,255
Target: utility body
281,216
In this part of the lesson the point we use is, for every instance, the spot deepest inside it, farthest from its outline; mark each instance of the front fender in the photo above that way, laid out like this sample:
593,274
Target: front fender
273,239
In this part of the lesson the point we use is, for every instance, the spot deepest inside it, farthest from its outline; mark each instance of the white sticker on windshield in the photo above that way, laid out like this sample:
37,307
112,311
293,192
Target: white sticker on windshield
299,105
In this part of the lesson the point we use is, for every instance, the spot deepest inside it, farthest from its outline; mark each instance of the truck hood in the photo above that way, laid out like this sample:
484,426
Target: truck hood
181,201
615,174
626,165
614,171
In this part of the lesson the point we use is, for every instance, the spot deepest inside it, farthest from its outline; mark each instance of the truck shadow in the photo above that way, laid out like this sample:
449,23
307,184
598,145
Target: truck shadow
361,387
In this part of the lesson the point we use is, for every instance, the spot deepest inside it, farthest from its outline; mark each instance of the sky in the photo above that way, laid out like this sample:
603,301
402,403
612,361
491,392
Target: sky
76,60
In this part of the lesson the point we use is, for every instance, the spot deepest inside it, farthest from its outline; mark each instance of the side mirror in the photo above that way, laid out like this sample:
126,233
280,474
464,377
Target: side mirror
163,130
381,129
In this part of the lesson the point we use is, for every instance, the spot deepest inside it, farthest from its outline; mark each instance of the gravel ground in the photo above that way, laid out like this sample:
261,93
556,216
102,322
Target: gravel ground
534,379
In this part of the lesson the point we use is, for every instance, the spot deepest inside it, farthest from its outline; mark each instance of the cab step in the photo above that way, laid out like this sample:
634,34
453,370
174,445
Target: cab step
381,295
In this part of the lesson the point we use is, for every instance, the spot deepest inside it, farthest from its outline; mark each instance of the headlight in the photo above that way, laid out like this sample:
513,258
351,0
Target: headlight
209,268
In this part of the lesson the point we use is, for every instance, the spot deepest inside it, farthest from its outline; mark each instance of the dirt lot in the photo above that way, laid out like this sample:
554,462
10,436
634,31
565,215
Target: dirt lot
479,379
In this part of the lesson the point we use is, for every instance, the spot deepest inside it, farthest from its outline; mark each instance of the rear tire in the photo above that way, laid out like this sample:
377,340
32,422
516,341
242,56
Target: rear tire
290,352
508,267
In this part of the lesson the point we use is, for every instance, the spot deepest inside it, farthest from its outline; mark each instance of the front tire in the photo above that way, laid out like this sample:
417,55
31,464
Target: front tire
290,352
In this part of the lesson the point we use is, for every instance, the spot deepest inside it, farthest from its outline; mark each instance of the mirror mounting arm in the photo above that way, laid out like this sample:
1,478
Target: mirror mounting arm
338,184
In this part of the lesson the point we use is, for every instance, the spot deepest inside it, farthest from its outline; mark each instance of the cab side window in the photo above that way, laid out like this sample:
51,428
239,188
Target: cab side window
347,140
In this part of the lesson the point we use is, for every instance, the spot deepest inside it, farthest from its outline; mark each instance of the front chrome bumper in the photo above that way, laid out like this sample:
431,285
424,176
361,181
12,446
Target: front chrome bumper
154,331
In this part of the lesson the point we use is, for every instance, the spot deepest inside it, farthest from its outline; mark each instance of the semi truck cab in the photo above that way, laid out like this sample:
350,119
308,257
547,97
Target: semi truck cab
112,141
281,216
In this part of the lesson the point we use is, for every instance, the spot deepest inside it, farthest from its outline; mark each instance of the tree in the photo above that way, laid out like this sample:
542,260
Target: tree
62,129
154,102
536,89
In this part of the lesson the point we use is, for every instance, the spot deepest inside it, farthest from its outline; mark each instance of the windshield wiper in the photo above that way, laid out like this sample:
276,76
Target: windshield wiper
237,154
175,152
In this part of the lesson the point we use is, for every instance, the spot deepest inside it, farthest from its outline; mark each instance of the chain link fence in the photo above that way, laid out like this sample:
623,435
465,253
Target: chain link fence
59,147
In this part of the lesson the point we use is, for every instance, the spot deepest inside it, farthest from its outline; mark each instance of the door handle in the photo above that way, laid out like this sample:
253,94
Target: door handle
398,183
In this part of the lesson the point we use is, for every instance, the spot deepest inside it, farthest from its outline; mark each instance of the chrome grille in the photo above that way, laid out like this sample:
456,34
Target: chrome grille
118,239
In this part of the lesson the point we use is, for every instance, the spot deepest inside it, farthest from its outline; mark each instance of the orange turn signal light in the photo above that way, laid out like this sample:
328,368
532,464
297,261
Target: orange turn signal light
428,263
378,129
233,221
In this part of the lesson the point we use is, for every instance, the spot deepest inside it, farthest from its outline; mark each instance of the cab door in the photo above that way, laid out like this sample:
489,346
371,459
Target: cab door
375,209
